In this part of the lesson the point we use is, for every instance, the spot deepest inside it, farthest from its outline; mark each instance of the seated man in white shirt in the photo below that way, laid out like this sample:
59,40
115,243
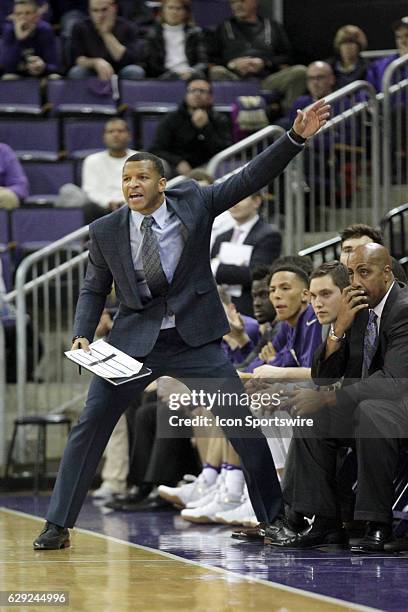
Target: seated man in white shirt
261,246
102,171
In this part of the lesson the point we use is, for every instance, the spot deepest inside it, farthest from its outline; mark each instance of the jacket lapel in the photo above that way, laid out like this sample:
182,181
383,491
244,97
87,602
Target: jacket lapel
122,236
183,212
382,341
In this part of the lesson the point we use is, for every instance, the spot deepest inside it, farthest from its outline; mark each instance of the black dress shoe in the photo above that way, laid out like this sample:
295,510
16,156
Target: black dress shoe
320,534
52,537
146,505
121,500
250,533
397,545
374,539
280,533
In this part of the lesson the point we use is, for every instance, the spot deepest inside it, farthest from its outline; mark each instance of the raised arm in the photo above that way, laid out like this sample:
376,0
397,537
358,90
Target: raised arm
271,162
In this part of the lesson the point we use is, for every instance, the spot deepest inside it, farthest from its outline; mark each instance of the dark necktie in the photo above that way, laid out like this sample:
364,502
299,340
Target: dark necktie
154,274
370,342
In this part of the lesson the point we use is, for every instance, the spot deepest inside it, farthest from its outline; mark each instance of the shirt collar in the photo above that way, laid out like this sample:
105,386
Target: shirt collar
380,306
159,215
248,225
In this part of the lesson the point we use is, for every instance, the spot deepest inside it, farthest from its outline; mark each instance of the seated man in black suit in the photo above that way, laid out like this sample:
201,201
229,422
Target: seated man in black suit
368,345
250,230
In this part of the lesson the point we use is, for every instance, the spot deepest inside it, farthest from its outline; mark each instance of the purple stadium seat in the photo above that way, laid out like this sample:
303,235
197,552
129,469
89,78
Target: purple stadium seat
20,96
80,134
38,137
46,178
6,267
34,228
4,227
225,92
83,136
81,96
210,13
151,92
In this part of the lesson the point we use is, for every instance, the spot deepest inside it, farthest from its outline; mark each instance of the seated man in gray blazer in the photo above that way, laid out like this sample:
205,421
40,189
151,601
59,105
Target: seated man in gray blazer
156,251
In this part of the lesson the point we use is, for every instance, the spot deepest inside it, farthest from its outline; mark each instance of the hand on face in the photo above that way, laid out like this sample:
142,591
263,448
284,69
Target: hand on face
199,118
352,301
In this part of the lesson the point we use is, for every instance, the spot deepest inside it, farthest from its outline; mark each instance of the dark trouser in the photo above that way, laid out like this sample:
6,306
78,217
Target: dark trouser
105,403
379,428
159,460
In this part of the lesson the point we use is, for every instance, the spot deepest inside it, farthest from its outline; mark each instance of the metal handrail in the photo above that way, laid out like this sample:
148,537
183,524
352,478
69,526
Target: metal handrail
387,90
21,310
243,144
321,246
2,395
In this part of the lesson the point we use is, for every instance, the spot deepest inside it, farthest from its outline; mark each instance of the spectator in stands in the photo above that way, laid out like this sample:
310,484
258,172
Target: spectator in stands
174,47
138,12
357,235
28,45
248,46
369,344
13,181
102,171
377,68
195,132
66,13
264,240
348,65
320,81
104,45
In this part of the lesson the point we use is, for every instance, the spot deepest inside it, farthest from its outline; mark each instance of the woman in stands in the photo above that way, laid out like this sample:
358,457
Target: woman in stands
348,64
174,47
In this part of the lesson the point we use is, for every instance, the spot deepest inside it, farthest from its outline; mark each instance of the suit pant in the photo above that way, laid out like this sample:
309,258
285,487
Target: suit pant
378,429
201,367
158,460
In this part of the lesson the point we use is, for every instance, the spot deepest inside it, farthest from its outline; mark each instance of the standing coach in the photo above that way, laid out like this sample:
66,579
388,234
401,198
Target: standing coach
156,251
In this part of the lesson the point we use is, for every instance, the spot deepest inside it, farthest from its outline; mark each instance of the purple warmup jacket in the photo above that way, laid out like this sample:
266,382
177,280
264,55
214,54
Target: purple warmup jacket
376,70
295,346
11,173
238,355
41,42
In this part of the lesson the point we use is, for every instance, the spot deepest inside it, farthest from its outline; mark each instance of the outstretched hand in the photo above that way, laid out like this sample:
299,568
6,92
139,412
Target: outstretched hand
311,119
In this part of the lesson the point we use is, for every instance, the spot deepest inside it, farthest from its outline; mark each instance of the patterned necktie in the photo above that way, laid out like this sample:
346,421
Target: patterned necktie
154,274
370,342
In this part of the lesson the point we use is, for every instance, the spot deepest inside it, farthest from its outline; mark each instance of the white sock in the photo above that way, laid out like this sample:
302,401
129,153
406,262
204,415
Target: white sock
234,480
210,473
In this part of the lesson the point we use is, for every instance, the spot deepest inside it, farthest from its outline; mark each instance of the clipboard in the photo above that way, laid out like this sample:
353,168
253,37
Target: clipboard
109,363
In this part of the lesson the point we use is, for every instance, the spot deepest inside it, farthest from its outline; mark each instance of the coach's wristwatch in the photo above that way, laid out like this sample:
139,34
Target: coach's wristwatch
332,335
78,338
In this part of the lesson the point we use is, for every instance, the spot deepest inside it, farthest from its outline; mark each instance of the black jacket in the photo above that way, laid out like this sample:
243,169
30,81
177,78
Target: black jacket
154,51
267,241
265,39
388,370
178,139
87,41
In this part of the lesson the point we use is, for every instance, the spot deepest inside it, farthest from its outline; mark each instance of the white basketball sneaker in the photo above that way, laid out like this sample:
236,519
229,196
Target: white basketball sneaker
186,493
210,494
206,514
242,515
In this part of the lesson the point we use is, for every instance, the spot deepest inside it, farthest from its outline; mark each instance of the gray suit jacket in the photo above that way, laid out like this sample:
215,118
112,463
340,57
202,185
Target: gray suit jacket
192,295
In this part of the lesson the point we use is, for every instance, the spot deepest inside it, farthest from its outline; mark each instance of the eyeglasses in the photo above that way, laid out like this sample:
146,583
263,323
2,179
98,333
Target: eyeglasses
198,90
